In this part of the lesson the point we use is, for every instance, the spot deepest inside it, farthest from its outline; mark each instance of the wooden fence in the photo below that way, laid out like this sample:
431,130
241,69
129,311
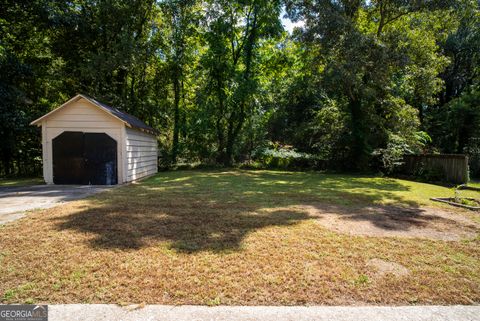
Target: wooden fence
450,167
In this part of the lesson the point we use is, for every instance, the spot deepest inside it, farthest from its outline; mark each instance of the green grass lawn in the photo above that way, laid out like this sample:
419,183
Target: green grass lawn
250,238
11,182
474,183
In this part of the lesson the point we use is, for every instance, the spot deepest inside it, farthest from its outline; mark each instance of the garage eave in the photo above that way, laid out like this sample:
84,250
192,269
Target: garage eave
128,120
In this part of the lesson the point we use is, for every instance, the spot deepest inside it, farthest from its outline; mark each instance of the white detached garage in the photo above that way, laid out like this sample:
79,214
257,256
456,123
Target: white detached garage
87,142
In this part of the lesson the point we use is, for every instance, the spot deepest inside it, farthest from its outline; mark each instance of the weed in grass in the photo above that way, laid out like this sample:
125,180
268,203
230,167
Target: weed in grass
214,302
77,276
468,202
57,286
361,280
449,269
9,294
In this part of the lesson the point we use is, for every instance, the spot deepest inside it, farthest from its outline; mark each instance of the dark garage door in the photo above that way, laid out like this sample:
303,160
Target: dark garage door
84,158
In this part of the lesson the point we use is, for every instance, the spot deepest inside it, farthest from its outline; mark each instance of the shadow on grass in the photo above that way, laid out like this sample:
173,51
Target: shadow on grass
186,231
390,217
197,211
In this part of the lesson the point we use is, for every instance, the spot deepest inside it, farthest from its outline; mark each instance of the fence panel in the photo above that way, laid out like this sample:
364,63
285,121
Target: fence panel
453,167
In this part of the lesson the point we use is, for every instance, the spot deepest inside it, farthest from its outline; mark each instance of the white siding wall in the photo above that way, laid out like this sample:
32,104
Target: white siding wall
81,116
141,154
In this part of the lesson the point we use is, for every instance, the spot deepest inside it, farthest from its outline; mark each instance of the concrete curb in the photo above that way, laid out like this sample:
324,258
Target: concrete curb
84,312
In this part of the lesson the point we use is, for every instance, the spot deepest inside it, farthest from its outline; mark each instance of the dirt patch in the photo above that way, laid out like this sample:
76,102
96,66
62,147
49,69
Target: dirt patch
393,221
382,268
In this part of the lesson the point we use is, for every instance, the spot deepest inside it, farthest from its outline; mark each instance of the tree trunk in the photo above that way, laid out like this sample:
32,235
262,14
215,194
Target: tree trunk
237,119
228,155
176,117
359,153
233,132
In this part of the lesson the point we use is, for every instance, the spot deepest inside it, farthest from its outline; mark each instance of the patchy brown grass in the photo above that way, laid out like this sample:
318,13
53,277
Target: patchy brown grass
245,237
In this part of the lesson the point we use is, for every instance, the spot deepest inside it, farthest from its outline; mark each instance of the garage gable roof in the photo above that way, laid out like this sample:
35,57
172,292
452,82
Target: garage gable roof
129,120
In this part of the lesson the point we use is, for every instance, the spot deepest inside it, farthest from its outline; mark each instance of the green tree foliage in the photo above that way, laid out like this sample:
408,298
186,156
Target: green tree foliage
181,39
452,122
236,30
28,84
359,85
380,62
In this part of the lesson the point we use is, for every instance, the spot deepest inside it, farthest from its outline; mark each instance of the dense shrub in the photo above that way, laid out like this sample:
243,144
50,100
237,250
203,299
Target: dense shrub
285,157
428,174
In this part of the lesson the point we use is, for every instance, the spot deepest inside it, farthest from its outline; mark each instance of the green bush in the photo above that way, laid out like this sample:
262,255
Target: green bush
429,174
284,157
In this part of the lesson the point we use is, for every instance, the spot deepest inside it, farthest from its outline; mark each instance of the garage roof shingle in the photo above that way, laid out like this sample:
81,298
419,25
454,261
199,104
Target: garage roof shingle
127,118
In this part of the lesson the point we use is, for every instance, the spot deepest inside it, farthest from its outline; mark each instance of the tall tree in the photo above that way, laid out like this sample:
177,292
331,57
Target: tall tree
452,120
28,82
235,30
358,46
99,42
182,20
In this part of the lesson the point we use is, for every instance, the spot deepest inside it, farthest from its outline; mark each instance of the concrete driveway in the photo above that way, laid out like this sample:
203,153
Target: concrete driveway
106,312
15,201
